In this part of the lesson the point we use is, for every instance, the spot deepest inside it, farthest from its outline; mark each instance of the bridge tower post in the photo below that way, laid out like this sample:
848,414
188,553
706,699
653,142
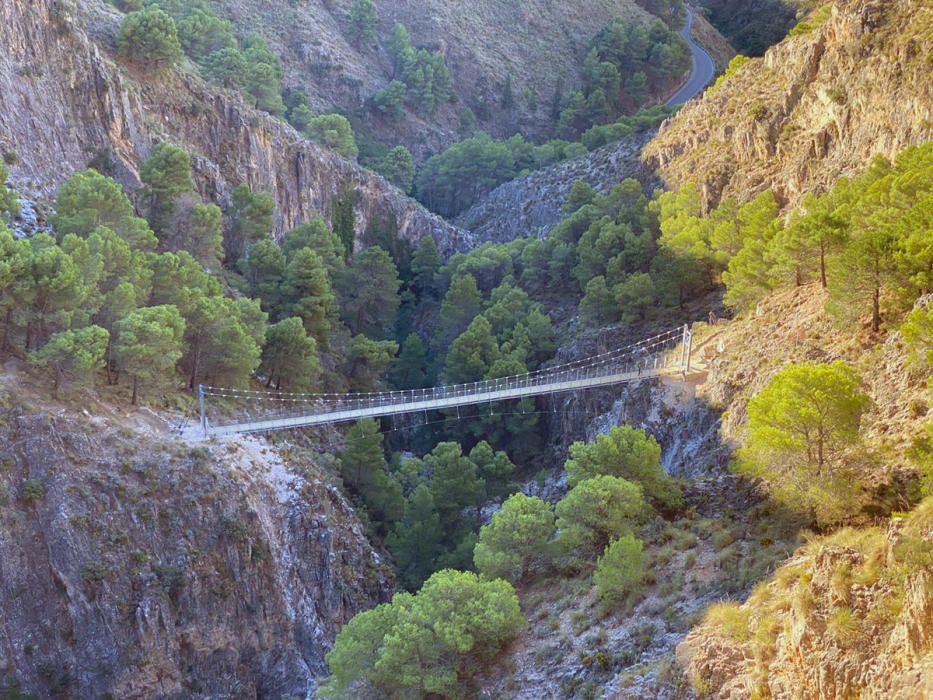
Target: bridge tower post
203,411
687,349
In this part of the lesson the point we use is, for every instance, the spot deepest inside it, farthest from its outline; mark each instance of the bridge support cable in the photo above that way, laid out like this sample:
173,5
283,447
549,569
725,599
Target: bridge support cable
243,411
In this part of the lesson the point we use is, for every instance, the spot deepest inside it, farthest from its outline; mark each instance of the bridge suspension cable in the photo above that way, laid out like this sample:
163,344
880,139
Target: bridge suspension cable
259,411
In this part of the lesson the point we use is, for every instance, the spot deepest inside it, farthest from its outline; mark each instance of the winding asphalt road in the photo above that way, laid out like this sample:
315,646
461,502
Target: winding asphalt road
702,71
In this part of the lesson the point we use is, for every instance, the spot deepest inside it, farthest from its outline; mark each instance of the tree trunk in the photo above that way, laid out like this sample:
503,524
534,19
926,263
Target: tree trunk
135,393
6,329
194,363
823,264
876,310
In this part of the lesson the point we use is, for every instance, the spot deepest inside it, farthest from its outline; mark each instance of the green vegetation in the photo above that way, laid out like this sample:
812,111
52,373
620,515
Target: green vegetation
433,642
363,22
333,131
626,64
420,74
148,343
149,37
812,22
363,467
597,511
751,27
734,65
864,240
515,543
620,570
73,354
398,167
803,437
629,454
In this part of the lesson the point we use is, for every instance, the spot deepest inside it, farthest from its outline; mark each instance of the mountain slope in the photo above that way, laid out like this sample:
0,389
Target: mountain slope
67,104
540,44
815,108
136,565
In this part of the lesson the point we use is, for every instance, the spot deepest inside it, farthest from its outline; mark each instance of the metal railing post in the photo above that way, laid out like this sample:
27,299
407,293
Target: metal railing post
689,350
203,412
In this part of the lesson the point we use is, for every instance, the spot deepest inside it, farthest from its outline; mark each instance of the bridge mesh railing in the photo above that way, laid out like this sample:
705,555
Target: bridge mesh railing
663,352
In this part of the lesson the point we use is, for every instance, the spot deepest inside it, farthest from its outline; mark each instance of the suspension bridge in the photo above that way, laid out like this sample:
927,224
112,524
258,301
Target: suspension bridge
228,411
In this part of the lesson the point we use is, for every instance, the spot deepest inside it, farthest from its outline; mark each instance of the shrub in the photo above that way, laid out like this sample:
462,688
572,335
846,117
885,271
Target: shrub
620,570
149,37
516,540
333,131
730,619
94,571
630,454
33,490
843,625
598,510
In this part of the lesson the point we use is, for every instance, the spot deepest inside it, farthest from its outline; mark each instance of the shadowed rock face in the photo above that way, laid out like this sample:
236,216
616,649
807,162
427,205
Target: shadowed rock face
531,206
67,105
151,568
817,107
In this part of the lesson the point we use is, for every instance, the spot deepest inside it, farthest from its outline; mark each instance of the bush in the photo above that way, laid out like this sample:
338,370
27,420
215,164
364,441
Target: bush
628,453
431,643
33,490
516,540
620,570
333,131
729,619
598,510
149,37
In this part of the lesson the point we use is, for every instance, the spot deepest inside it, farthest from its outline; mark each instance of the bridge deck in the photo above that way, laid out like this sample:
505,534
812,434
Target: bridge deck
390,409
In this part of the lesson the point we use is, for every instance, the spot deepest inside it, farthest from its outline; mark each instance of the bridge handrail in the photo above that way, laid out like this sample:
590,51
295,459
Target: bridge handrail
670,349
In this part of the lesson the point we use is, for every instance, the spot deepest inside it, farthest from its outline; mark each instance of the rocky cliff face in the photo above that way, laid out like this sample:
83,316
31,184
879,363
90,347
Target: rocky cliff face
134,565
850,614
66,104
531,206
816,107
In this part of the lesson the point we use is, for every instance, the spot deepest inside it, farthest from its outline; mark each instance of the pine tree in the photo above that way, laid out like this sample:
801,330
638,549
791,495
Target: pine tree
363,467
316,235
150,38
410,370
363,22
367,362
415,542
148,344
425,263
343,221
335,132
250,215
264,269
289,356
800,427
89,200
515,542
472,354
455,486
369,293
306,293
461,305
72,354
167,174
398,167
